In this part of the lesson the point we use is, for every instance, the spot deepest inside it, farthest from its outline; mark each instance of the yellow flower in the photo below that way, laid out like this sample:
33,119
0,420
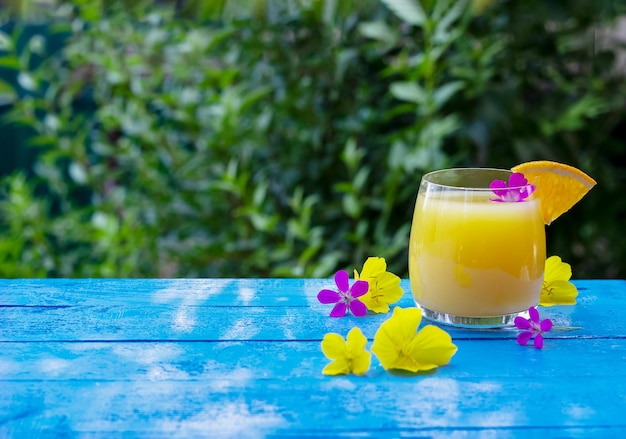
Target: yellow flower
350,357
384,287
556,288
398,346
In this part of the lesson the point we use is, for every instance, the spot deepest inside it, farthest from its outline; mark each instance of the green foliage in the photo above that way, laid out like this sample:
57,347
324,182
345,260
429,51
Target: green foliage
262,138
558,94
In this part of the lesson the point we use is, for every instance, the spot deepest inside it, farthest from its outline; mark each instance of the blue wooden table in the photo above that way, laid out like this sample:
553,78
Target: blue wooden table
242,358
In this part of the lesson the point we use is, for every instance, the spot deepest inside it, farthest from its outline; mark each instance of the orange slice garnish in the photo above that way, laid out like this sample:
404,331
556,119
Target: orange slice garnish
559,187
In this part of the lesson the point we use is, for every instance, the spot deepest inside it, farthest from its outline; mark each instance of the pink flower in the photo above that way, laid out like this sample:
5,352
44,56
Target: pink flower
532,328
517,190
346,297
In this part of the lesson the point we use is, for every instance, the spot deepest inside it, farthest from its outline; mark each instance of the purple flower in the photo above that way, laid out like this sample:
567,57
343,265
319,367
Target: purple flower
346,296
517,189
532,328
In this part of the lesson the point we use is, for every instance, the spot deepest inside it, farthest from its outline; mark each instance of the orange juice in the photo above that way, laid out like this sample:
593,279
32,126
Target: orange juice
471,256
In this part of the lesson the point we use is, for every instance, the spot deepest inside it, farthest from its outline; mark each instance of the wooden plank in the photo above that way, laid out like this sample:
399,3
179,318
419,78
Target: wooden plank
342,408
277,310
39,361
276,388
211,292
157,358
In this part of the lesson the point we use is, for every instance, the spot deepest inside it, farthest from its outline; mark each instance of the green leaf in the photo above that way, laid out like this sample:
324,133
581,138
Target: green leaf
331,11
440,128
345,59
410,11
397,155
78,173
7,93
57,28
351,155
254,96
445,92
345,187
9,62
360,179
37,44
89,10
573,118
209,10
262,222
351,205
296,229
42,141
26,81
408,91
326,264
344,8
260,193
379,31
456,11
6,43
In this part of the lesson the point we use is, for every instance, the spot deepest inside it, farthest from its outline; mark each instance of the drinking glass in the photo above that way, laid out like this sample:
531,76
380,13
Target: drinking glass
475,259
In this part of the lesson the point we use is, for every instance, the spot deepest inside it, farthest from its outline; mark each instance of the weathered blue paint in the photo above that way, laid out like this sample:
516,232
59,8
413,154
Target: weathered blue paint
242,358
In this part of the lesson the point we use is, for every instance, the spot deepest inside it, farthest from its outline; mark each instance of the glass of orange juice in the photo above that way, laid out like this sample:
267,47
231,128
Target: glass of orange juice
477,248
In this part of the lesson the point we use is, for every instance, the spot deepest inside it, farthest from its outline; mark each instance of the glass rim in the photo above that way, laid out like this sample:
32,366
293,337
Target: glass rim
426,178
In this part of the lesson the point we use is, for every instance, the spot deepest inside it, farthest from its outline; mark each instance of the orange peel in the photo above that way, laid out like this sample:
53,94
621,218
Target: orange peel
558,186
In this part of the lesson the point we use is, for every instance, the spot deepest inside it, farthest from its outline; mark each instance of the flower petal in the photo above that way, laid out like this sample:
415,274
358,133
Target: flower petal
558,292
373,267
361,363
556,269
523,337
534,314
499,188
339,310
334,346
328,296
405,321
339,367
521,323
407,362
389,287
356,340
528,190
388,280
538,341
383,290
359,288
376,306
432,347
498,184
393,333
385,347
517,180
341,279
516,190
546,325
357,308
361,359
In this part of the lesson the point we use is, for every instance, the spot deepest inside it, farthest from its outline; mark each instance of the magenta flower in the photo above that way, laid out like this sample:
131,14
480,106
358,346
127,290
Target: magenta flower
346,297
518,189
532,328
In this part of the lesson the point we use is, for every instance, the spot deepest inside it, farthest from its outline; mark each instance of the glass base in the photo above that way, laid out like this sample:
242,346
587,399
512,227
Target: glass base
483,322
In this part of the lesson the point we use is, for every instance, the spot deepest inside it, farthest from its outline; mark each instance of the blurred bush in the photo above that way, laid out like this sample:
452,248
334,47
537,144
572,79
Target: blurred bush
268,138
